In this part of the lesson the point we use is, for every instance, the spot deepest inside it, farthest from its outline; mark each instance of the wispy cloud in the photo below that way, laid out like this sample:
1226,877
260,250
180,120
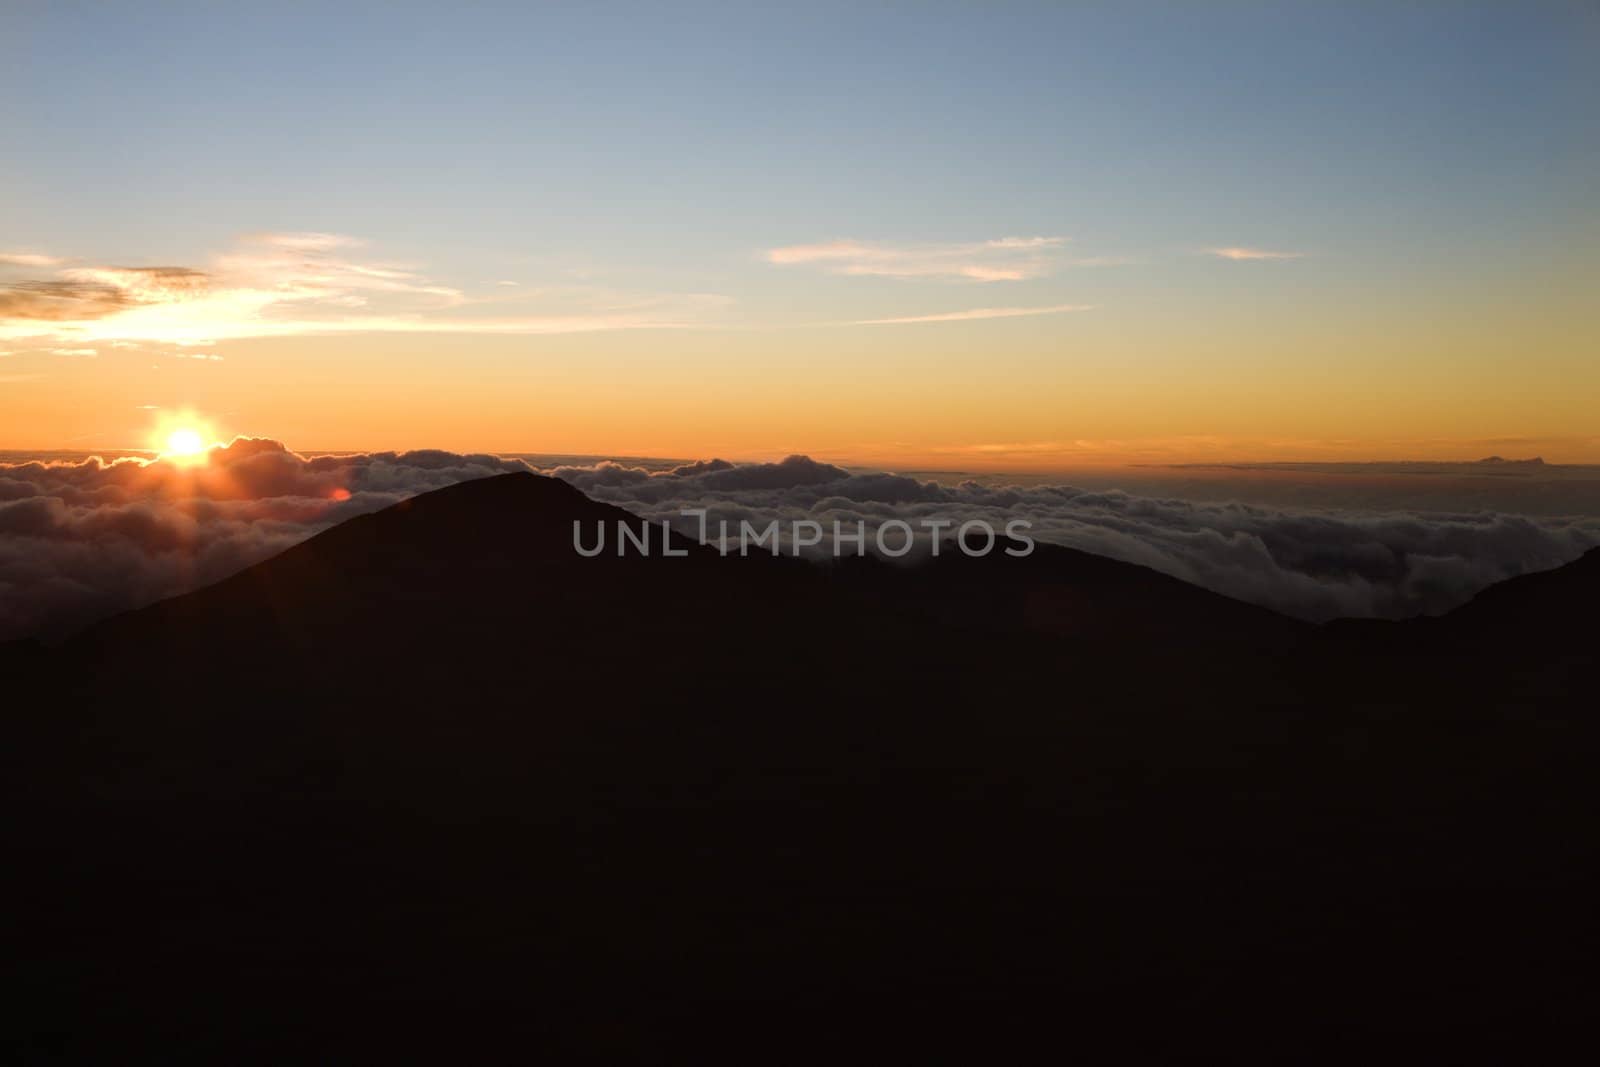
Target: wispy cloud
1004,259
1237,254
288,284
975,313
1089,449
305,242
27,259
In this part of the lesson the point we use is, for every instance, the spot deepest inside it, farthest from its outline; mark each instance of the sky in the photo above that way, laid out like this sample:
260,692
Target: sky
1007,237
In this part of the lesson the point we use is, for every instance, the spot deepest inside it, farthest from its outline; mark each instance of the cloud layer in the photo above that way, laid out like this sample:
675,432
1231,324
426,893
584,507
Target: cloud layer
1311,564
80,541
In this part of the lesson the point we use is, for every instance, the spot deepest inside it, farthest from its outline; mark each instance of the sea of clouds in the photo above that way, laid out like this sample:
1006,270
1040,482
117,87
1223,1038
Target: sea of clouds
83,540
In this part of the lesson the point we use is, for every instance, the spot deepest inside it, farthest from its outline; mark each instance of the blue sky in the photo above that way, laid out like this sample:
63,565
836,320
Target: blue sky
637,133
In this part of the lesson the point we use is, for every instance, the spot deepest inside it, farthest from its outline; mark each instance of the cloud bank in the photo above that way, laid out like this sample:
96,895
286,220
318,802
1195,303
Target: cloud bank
81,541
1315,565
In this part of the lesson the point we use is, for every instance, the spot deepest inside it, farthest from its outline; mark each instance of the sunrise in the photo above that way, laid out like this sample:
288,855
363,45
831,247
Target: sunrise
663,532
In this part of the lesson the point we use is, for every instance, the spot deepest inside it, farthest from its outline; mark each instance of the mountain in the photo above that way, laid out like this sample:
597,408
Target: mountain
431,783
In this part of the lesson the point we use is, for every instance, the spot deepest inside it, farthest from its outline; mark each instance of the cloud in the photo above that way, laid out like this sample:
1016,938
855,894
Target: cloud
1312,564
290,284
27,259
80,541
305,242
1238,254
975,313
1002,259
48,302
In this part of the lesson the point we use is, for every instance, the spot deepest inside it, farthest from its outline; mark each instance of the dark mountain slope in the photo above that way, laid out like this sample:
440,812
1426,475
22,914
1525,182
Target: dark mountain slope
1524,643
430,782
1554,608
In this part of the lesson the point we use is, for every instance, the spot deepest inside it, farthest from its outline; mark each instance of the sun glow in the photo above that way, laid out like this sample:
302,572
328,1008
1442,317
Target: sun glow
183,440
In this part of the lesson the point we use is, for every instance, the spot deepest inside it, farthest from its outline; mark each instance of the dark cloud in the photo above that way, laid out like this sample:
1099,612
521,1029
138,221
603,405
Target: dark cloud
82,540
93,293
61,301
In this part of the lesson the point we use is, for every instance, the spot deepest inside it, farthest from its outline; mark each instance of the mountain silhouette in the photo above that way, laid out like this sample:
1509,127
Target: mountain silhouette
431,783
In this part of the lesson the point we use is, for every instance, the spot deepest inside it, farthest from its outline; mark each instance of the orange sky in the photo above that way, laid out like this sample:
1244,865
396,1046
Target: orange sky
1111,384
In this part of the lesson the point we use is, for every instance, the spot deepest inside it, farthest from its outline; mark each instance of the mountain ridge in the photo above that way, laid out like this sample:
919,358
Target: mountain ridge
554,545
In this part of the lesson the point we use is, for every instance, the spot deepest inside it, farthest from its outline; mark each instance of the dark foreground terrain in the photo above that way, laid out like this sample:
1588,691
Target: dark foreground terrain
430,785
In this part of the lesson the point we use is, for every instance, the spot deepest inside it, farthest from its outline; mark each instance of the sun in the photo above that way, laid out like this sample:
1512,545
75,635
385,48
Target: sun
184,441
